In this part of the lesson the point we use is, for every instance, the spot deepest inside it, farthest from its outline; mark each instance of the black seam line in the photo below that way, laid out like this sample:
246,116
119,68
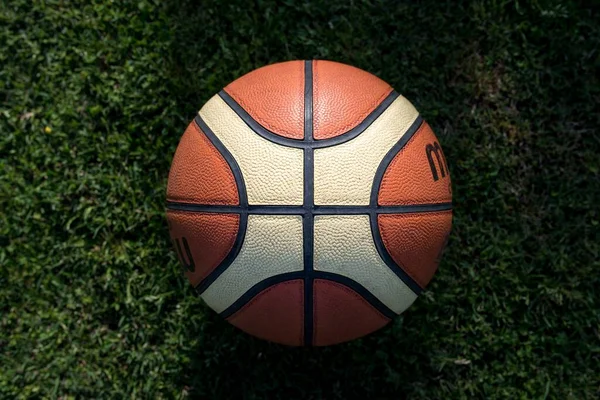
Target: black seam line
257,288
315,144
308,102
235,168
308,205
243,200
288,276
387,159
301,210
383,166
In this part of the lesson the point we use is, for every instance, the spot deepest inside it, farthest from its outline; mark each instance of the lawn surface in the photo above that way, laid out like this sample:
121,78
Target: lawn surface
94,96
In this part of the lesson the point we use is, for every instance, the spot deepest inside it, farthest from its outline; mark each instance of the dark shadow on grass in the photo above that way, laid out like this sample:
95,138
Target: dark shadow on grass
228,363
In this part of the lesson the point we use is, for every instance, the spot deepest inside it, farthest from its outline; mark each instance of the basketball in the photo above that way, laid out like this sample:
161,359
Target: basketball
309,203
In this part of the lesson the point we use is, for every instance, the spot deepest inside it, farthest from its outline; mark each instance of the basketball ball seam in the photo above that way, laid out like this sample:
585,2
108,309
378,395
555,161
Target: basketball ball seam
347,290
230,243
400,264
228,171
258,295
396,160
259,119
356,121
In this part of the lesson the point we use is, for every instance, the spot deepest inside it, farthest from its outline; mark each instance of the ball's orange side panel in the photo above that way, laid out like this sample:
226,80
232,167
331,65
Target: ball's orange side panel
415,241
202,240
275,314
343,97
418,174
341,314
274,96
199,174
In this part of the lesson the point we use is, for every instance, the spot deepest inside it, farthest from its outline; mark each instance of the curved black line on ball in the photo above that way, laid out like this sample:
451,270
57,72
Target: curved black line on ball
243,200
235,168
387,258
301,210
255,290
359,289
315,144
383,165
387,159
229,258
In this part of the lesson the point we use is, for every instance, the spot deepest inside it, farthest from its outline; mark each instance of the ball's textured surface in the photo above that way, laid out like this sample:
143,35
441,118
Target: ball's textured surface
309,203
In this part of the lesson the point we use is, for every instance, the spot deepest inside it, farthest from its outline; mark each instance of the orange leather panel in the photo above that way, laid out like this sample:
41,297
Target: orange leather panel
209,237
199,173
415,241
341,314
274,96
410,178
343,97
275,314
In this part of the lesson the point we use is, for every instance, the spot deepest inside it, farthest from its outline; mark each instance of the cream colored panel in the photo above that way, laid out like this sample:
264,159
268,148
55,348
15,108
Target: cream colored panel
273,173
344,173
272,246
344,245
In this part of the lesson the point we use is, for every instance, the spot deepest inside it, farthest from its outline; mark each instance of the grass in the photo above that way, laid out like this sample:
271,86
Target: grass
94,96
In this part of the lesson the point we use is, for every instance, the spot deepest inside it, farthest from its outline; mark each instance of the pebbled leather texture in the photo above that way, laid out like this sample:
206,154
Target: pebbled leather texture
274,96
272,246
273,173
340,314
275,314
344,173
344,245
415,241
199,173
409,179
209,237
343,97
299,267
